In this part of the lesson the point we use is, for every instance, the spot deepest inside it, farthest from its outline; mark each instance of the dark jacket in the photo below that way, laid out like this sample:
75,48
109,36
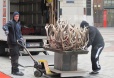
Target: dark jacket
14,29
95,37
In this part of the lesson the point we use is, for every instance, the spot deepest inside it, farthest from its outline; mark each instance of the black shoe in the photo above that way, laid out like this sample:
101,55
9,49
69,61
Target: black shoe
18,73
95,72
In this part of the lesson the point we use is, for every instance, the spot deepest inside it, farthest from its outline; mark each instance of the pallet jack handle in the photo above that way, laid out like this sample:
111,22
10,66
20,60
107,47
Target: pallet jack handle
19,42
36,65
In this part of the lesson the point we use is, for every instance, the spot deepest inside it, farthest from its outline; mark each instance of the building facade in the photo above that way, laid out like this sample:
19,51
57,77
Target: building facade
76,11
73,10
103,13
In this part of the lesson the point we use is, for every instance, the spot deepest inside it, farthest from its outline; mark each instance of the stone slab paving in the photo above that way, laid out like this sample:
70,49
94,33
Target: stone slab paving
84,62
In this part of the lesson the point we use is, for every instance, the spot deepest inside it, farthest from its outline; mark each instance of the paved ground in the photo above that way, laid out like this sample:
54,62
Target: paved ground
106,60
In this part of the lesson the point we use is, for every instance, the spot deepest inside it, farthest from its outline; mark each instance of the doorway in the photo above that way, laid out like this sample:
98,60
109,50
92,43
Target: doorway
110,17
98,16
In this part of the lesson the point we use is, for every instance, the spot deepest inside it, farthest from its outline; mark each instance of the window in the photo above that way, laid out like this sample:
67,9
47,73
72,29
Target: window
108,3
69,1
88,6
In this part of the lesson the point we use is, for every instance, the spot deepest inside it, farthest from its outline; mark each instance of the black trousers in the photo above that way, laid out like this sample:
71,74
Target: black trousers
95,53
14,52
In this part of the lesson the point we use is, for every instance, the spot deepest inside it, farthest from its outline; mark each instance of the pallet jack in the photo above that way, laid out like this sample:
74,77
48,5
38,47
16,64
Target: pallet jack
41,66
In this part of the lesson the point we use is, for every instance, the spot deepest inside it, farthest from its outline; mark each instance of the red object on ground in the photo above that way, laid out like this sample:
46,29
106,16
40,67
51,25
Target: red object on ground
2,75
105,18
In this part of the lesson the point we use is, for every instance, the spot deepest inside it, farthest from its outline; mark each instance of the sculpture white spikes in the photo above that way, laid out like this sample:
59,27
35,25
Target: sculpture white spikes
64,36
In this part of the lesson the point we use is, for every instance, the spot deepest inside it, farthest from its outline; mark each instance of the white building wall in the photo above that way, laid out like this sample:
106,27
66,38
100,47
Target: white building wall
1,13
2,34
74,12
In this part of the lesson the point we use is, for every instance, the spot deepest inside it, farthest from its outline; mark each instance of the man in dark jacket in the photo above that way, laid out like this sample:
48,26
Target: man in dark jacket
13,31
97,42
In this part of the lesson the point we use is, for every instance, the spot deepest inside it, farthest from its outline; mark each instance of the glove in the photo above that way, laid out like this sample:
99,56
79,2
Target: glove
85,48
22,39
21,42
6,32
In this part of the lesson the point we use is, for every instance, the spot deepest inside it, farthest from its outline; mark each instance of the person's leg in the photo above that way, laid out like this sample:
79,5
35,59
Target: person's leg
95,53
14,57
14,52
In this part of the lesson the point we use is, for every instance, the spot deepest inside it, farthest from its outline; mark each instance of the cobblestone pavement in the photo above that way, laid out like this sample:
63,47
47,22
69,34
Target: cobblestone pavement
106,60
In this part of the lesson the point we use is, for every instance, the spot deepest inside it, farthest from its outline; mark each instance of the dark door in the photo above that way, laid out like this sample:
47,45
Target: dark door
110,16
98,16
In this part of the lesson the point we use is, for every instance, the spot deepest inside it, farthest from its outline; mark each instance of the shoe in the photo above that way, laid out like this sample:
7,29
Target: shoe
95,72
18,73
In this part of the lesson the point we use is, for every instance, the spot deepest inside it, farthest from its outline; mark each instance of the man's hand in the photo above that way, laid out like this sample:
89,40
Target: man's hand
6,32
22,39
21,42
85,48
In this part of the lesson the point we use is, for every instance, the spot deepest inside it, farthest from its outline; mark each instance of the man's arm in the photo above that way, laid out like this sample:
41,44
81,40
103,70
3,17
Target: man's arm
92,34
21,37
6,26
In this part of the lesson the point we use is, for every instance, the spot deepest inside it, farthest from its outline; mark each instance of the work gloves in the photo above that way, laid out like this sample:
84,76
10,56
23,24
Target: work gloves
21,42
6,32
